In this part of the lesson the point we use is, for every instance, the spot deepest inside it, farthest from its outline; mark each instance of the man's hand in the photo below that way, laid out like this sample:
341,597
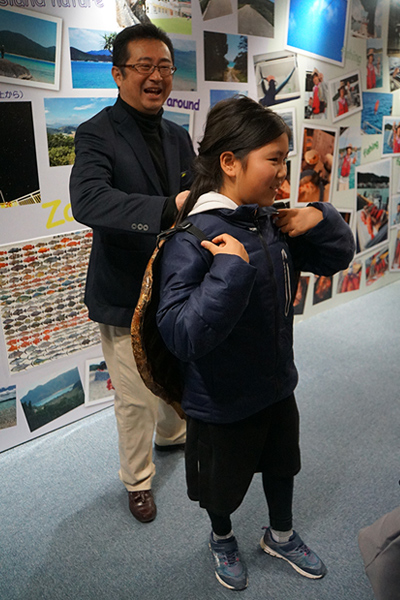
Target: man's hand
297,221
226,244
180,199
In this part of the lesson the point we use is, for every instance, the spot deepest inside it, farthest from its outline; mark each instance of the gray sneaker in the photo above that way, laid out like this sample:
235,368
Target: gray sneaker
230,570
296,553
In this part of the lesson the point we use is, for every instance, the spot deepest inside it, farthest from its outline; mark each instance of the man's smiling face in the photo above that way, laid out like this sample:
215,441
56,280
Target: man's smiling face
145,93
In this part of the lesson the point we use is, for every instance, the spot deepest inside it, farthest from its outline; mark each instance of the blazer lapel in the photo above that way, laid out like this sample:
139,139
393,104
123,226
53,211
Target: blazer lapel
128,129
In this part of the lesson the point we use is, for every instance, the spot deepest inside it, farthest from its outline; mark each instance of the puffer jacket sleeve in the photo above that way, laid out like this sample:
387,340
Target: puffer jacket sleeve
327,248
201,297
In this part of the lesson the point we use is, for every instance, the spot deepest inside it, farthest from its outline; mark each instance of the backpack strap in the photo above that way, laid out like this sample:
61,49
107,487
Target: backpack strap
184,226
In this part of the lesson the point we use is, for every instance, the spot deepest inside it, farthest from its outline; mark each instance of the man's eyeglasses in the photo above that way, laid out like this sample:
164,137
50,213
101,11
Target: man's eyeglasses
147,69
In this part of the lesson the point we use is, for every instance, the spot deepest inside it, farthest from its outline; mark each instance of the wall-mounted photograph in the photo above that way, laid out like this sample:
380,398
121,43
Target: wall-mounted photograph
317,164
349,280
91,58
301,294
391,136
374,64
322,288
376,266
316,97
181,117
185,77
345,95
213,9
395,251
277,77
394,210
225,57
394,72
98,385
289,116
30,45
63,116
51,398
8,407
173,16
375,107
393,40
349,157
19,178
217,95
318,29
372,204
44,316
366,18
256,17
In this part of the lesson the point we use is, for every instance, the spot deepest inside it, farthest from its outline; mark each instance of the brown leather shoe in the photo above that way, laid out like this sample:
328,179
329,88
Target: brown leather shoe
142,505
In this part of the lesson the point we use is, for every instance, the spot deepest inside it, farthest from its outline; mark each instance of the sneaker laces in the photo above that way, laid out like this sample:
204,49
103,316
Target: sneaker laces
231,557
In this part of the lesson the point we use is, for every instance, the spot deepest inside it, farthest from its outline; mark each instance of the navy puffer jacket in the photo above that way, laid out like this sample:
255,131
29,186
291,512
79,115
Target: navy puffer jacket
230,322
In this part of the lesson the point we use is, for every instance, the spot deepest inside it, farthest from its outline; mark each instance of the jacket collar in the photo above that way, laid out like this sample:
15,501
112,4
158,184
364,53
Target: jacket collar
244,213
130,131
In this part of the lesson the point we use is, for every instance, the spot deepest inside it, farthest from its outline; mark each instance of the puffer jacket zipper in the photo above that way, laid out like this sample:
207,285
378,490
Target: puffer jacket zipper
276,298
286,276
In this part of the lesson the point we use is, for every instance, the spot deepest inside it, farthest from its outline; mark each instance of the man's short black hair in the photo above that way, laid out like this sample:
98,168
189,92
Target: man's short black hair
142,31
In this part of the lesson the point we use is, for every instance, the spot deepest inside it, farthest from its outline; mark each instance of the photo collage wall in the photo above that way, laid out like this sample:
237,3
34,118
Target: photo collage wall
331,69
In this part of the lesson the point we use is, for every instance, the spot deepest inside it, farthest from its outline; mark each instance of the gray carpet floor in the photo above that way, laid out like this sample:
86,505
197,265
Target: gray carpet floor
66,532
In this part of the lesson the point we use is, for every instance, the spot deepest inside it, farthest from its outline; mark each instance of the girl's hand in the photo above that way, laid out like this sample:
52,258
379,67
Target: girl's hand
297,221
226,244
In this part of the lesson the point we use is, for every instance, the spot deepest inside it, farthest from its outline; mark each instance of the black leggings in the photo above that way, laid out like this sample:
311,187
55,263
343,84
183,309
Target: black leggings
279,495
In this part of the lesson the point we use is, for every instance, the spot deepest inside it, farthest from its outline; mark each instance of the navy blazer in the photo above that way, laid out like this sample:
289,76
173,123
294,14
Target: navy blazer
115,190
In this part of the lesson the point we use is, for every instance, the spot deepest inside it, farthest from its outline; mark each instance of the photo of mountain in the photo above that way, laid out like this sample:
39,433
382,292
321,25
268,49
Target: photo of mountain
29,48
63,116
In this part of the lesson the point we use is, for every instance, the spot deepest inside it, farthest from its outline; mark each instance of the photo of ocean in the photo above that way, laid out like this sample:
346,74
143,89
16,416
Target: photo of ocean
375,107
95,75
40,70
185,78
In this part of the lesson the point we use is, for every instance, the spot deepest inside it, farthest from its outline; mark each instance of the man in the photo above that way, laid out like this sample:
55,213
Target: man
127,183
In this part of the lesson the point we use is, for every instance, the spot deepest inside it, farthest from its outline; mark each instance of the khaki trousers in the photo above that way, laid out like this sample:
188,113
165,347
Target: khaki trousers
138,412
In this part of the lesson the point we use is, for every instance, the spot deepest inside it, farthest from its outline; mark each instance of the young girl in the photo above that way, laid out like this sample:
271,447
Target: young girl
226,313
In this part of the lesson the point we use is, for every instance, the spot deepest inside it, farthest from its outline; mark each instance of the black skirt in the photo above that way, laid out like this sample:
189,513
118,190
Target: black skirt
221,459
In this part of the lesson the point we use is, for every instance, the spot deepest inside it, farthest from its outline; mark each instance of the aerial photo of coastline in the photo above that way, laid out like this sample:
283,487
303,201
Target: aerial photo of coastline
29,49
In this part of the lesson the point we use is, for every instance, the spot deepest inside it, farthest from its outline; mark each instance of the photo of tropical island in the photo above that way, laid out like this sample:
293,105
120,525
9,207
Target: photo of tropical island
225,57
256,17
8,407
52,399
91,58
29,48
63,116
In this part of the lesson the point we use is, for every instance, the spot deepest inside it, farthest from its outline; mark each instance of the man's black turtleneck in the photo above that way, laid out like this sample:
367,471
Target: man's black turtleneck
150,127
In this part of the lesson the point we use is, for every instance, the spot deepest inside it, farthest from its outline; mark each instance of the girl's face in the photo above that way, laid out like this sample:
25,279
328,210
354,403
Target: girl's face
259,179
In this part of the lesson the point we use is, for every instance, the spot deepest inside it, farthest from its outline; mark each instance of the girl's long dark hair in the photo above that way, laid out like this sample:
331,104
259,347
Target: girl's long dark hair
237,125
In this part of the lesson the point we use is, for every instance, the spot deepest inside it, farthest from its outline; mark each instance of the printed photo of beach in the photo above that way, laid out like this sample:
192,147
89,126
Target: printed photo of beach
8,407
63,116
52,398
91,58
30,48
185,79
